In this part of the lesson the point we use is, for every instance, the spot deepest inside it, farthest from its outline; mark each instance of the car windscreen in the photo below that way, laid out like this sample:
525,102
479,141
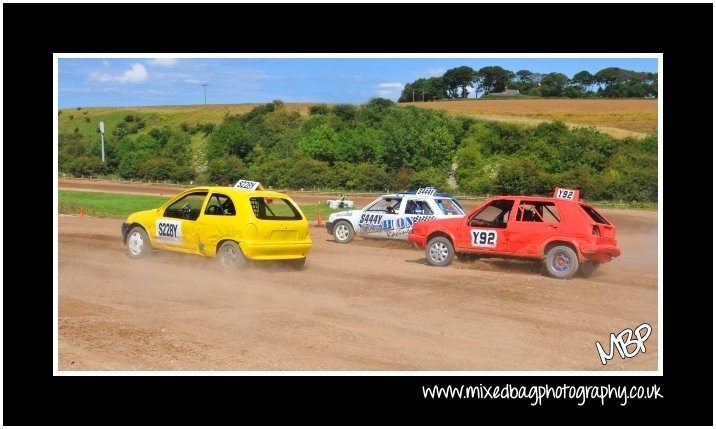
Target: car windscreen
450,206
274,209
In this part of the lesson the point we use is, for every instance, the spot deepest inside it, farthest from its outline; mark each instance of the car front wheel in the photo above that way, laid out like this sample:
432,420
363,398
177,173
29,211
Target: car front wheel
138,245
439,252
230,256
343,232
561,262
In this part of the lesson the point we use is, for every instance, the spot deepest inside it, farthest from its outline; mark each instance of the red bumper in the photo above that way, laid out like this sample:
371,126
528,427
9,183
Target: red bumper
418,240
600,252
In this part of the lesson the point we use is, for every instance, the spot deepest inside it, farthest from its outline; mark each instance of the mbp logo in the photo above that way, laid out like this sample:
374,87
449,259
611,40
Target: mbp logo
622,344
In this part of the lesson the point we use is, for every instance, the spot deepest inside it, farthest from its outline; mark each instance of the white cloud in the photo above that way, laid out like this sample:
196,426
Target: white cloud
136,74
192,81
432,72
105,63
164,62
390,89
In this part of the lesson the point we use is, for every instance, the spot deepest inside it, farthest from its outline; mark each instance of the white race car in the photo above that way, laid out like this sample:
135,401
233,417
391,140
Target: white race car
393,215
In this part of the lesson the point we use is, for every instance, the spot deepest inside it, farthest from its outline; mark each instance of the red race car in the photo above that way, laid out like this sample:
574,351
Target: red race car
568,235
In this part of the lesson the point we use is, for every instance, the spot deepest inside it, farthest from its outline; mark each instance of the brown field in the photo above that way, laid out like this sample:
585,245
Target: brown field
619,118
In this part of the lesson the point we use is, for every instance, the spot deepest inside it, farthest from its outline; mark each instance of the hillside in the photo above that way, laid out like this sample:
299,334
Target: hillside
618,118
607,148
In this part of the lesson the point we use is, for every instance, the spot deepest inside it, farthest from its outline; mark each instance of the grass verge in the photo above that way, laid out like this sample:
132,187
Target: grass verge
109,204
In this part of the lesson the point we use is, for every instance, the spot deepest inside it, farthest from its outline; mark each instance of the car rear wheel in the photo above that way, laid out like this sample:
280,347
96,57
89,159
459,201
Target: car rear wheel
561,262
138,245
343,232
439,252
230,256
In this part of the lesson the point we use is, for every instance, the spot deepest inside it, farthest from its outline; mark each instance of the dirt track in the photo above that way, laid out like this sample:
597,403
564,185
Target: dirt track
368,305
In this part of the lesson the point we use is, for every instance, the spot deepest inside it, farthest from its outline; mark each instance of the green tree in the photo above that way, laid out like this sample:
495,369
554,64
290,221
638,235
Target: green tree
319,109
346,112
360,144
553,85
229,138
128,167
430,89
87,165
430,176
157,168
320,143
492,79
522,177
525,81
227,169
70,147
456,81
584,79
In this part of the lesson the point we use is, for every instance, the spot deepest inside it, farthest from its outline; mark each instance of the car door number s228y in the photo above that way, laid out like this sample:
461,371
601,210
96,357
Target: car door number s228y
483,237
168,230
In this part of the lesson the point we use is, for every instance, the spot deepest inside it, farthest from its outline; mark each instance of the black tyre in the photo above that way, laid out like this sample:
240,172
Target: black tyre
343,232
587,269
439,252
138,245
561,262
230,256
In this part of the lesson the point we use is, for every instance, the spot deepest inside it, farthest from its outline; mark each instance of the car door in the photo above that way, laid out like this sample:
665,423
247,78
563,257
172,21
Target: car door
217,222
485,230
176,228
383,219
534,222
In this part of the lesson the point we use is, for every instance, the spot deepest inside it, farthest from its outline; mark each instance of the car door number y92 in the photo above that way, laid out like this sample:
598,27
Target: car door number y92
484,237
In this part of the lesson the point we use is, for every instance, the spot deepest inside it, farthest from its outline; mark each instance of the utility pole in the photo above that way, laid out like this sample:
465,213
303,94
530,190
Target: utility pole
101,131
413,96
204,85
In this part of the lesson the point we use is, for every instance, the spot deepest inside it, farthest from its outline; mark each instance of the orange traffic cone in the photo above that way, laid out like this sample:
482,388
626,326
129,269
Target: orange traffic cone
319,219
82,212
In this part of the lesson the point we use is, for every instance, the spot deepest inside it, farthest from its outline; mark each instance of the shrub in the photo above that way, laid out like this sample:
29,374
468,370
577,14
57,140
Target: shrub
319,109
226,169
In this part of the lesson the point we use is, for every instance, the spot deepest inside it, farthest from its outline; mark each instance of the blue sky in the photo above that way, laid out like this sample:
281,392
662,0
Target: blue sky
161,80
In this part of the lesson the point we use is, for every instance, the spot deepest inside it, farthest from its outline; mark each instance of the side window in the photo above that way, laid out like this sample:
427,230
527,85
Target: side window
220,205
274,209
188,207
494,215
385,205
535,211
594,214
418,207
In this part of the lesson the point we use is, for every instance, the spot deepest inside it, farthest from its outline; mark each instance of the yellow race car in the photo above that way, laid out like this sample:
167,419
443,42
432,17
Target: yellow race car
233,224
